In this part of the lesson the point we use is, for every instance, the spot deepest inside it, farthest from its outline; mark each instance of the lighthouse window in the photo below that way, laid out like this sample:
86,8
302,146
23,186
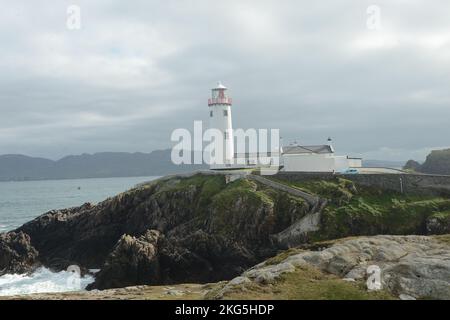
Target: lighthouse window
210,113
225,113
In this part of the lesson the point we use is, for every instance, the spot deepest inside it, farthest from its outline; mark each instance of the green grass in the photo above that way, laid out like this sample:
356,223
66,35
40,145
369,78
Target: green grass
234,207
352,209
338,190
365,217
442,215
283,256
239,209
358,210
308,283
245,210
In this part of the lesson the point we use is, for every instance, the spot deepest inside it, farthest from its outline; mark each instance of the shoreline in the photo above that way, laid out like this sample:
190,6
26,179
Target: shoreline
299,274
177,229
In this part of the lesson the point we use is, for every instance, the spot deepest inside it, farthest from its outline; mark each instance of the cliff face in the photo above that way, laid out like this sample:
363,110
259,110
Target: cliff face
194,229
202,229
437,162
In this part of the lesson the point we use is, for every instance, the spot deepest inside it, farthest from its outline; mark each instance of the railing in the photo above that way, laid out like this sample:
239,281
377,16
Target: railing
220,101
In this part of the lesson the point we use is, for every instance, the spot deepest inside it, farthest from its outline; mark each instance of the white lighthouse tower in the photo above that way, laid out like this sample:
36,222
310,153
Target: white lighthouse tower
220,119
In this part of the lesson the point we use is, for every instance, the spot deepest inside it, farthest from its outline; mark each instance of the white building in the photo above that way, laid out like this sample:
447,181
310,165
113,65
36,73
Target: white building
317,158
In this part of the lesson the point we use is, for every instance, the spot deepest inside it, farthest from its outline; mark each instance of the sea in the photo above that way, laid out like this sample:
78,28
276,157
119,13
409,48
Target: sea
22,201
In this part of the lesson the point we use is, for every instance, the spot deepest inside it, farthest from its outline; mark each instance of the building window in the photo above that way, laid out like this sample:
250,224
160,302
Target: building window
226,135
225,113
211,114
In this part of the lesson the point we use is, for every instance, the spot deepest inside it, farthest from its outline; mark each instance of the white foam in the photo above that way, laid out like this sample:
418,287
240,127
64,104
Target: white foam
41,281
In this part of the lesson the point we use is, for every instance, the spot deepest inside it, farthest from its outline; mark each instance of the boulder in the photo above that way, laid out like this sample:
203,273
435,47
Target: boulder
411,266
17,255
133,261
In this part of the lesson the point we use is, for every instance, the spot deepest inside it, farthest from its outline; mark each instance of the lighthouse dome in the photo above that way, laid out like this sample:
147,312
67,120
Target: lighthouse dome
220,86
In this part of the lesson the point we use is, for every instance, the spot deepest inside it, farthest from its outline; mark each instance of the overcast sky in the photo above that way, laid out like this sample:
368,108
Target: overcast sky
136,70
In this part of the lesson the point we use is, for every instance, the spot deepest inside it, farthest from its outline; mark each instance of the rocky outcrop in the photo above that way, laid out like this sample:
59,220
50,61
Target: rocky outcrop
205,228
437,162
412,165
132,261
17,255
413,266
194,229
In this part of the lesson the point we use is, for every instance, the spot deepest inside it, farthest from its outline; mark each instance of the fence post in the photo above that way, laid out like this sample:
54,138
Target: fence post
401,185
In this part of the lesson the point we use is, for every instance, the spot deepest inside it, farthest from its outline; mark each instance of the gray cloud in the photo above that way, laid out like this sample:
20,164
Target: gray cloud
135,71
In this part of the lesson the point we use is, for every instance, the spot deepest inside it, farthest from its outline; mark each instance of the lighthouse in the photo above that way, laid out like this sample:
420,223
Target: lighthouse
220,118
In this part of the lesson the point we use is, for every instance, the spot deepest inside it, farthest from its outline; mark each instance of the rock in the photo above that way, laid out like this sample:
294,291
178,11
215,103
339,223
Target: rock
414,266
239,281
17,255
438,224
175,293
231,285
406,297
412,165
437,162
195,229
425,275
133,261
209,231
265,277
357,273
268,274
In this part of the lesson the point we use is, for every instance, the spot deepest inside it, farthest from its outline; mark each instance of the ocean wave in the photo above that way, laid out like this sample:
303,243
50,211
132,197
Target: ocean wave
42,281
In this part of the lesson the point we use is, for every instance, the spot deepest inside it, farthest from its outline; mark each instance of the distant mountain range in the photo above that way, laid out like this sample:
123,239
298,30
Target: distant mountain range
109,164
98,165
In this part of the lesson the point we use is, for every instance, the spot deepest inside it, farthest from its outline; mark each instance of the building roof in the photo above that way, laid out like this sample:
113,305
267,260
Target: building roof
307,149
219,86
